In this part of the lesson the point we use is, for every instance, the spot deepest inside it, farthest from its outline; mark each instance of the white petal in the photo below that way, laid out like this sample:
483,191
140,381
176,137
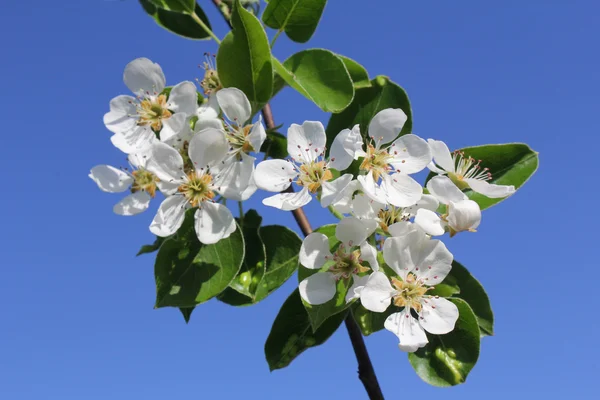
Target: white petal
441,155
371,188
289,201
358,283
209,110
363,207
376,295
397,254
430,222
411,335
428,202
208,148
140,158
464,215
183,98
175,127
314,251
139,138
249,191
170,216
368,253
445,190
235,105
344,203
110,179
411,154
143,77
401,228
274,175
166,163
332,191
118,140
121,118
401,190
133,204
489,189
435,169
346,147
351,231
434,262
318,288
386,125
235,177
438,316
306,142
213,222
257,136
167,188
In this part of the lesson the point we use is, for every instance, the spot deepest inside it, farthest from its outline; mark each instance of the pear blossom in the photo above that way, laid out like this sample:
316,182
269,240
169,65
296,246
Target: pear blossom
461,214
418,263
196,181
465,172
345,263
307,167
139,181
134,120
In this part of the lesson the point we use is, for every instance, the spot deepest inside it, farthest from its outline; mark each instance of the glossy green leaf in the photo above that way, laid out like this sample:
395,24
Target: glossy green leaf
244,58
320,76
187,313
297,18
368,101
151,248
275,146
181,6
357,72
178,23
447,359
292,334
189,273
370,322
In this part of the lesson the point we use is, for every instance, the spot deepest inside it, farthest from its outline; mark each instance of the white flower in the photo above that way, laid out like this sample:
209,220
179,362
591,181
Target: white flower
195,186
139,181
345,263
461,214
387,166
137,118
465,172
419,263
306,147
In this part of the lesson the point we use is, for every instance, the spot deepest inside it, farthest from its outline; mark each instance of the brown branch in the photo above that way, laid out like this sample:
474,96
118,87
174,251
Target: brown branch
366,372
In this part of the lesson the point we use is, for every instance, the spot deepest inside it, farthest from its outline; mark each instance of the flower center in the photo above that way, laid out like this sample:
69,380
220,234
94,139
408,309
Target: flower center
467,168
409,292
313,175
197,189
152,111
238,139
377,160
346,264
390,216
210,82
144,180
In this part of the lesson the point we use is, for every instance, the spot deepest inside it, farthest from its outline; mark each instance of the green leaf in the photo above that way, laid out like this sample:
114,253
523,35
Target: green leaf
320,76
447,359
189,273
178,23
275,146
244,58
298,18
368,101
358,73
292,333
151,248
181,6
187,313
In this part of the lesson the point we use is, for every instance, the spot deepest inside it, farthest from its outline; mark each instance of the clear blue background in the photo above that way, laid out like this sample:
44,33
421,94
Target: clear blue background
77,318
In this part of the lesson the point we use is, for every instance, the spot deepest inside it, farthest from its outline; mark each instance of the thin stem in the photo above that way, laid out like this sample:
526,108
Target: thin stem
335,213
199,21
275,38
241,209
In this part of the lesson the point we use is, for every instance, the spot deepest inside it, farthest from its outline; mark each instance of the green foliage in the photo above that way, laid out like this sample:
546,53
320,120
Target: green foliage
320,76
292,333
370,322
187,313
368,101
244,58
275,146
298,18
181,6
188,272
358,73
177,22
447,359
151,248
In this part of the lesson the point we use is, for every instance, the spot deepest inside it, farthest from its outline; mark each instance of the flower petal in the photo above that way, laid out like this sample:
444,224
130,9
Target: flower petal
401,190
209,110
464,215
235,176
405,326
318,288
344,203
428,202
386,125
434,262
411,154
208,148
314,251
401,228
368,253
213,222
118,140
364,207
397,255
183,98
144,77
489,189
441,155
438,315
346,147
110,179
445,190
170,216
371,188
332,191
430,222
257,136
175,127
376,295
133,204
289,201
351,231
274,175
166,163
139,138
235,105
358,283
121,118
306,142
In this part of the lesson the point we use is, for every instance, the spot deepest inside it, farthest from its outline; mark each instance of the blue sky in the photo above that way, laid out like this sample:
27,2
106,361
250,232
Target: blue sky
77,320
